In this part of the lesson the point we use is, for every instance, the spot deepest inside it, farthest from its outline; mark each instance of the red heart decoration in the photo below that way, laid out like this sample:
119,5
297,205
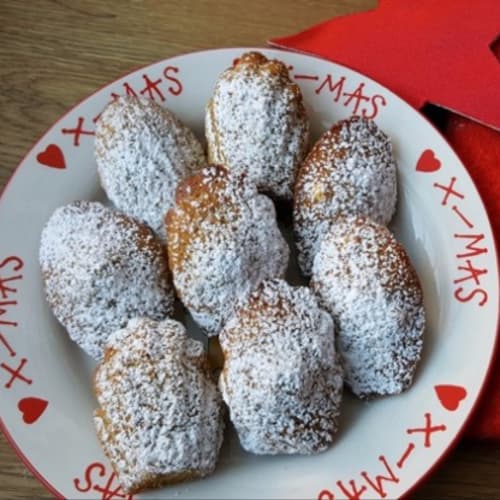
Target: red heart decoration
428,162
52,157
32,409
450,395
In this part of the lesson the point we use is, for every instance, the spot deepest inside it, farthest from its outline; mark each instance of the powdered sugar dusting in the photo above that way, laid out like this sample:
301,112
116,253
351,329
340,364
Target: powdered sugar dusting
160,418
281,377
143,151
364,278
223,240
350,170
101,268
256,123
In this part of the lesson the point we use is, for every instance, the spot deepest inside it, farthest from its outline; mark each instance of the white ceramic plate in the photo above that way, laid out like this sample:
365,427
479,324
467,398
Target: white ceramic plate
384,447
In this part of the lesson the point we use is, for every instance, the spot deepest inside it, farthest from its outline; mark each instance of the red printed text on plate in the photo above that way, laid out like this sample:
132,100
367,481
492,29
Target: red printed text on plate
355,97
375,484
156,87
470,270
97,478
10,275
12,371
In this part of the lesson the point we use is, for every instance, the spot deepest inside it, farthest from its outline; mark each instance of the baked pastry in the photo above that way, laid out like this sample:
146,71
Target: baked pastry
281,378
143,151
364,278
351,170
256,123
223,240
160,418
100,268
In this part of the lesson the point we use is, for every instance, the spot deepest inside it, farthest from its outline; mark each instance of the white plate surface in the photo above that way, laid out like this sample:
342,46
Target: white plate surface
384,447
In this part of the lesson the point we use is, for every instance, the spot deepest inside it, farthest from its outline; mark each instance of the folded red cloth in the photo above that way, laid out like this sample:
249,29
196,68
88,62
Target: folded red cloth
392,30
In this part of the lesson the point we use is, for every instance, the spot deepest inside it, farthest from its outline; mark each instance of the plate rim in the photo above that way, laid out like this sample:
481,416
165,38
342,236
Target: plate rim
494,355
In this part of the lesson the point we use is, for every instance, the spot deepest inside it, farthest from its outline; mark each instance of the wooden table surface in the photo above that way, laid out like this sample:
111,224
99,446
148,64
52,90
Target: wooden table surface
55,52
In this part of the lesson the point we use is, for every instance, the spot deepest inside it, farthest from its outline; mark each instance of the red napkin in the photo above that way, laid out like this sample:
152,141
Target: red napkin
441,53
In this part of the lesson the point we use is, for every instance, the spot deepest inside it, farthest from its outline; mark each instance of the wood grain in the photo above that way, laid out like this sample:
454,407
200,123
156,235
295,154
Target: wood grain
56,52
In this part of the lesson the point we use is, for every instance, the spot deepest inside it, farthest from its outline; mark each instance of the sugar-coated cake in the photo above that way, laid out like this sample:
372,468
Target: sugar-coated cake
223,240
350,170
100,268
256,123
281,379
365,279
143,151
160,416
